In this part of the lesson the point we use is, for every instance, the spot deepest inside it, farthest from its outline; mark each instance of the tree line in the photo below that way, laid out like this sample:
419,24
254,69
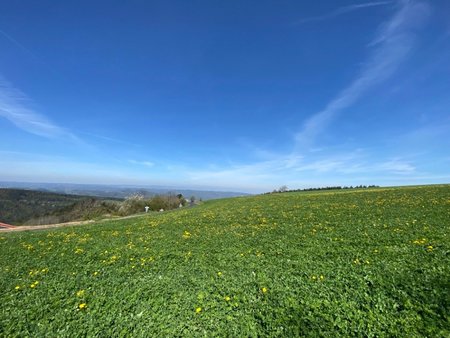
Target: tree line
284,188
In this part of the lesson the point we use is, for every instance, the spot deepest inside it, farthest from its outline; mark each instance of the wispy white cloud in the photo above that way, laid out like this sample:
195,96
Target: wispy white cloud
390,47
108,140
16,43
396,167
144,163
344,10
14,106
267,174
347,167
306,164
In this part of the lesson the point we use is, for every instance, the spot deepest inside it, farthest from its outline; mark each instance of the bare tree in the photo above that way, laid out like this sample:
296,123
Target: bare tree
283,188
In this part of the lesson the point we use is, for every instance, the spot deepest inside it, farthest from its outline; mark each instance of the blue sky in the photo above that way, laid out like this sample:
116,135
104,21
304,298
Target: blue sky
227,95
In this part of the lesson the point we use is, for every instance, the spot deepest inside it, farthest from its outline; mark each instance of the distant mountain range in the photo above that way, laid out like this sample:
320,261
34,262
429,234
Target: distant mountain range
117,191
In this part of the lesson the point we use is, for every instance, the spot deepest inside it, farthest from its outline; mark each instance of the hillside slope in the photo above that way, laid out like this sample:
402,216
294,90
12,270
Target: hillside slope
355,263
18,206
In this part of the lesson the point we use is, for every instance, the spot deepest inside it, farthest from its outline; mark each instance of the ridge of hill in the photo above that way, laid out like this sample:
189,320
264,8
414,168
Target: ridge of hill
19,206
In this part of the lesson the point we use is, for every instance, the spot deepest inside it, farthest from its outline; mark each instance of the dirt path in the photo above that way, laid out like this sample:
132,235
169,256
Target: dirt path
6,226
12,228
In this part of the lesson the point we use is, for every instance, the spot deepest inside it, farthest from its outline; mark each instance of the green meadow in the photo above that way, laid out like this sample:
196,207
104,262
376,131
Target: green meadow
357,263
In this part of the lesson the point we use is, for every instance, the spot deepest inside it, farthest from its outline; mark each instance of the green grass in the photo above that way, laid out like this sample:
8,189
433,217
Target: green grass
369,263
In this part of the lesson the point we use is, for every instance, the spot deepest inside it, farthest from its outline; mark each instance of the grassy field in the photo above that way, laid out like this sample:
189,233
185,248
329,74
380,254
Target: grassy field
369,263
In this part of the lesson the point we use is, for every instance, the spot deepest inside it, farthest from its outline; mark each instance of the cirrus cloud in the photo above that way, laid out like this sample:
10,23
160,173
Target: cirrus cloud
14,106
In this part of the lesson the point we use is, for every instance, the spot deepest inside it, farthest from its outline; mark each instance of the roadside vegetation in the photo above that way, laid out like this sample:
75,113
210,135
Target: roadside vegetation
353,263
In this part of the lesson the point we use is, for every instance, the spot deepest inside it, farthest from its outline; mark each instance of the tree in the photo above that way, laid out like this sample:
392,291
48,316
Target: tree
283,188
181,199
192,199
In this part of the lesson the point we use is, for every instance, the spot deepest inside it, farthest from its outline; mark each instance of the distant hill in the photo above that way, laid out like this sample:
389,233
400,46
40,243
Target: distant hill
59,203
118,191
19,206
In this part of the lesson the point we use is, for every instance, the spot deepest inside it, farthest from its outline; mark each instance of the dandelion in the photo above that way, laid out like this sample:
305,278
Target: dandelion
82,306
17,287
219,274
264,290
322,277
429,248
80,293
227,298
79,251
33,285
198,310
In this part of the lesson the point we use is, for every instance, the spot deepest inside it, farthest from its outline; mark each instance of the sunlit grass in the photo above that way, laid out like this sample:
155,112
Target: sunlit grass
349,263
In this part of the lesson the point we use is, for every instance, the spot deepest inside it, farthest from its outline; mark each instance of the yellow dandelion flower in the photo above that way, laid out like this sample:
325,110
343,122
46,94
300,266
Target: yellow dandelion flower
264,290
198,310
80,293
17,287
219,274
227,298
82,306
